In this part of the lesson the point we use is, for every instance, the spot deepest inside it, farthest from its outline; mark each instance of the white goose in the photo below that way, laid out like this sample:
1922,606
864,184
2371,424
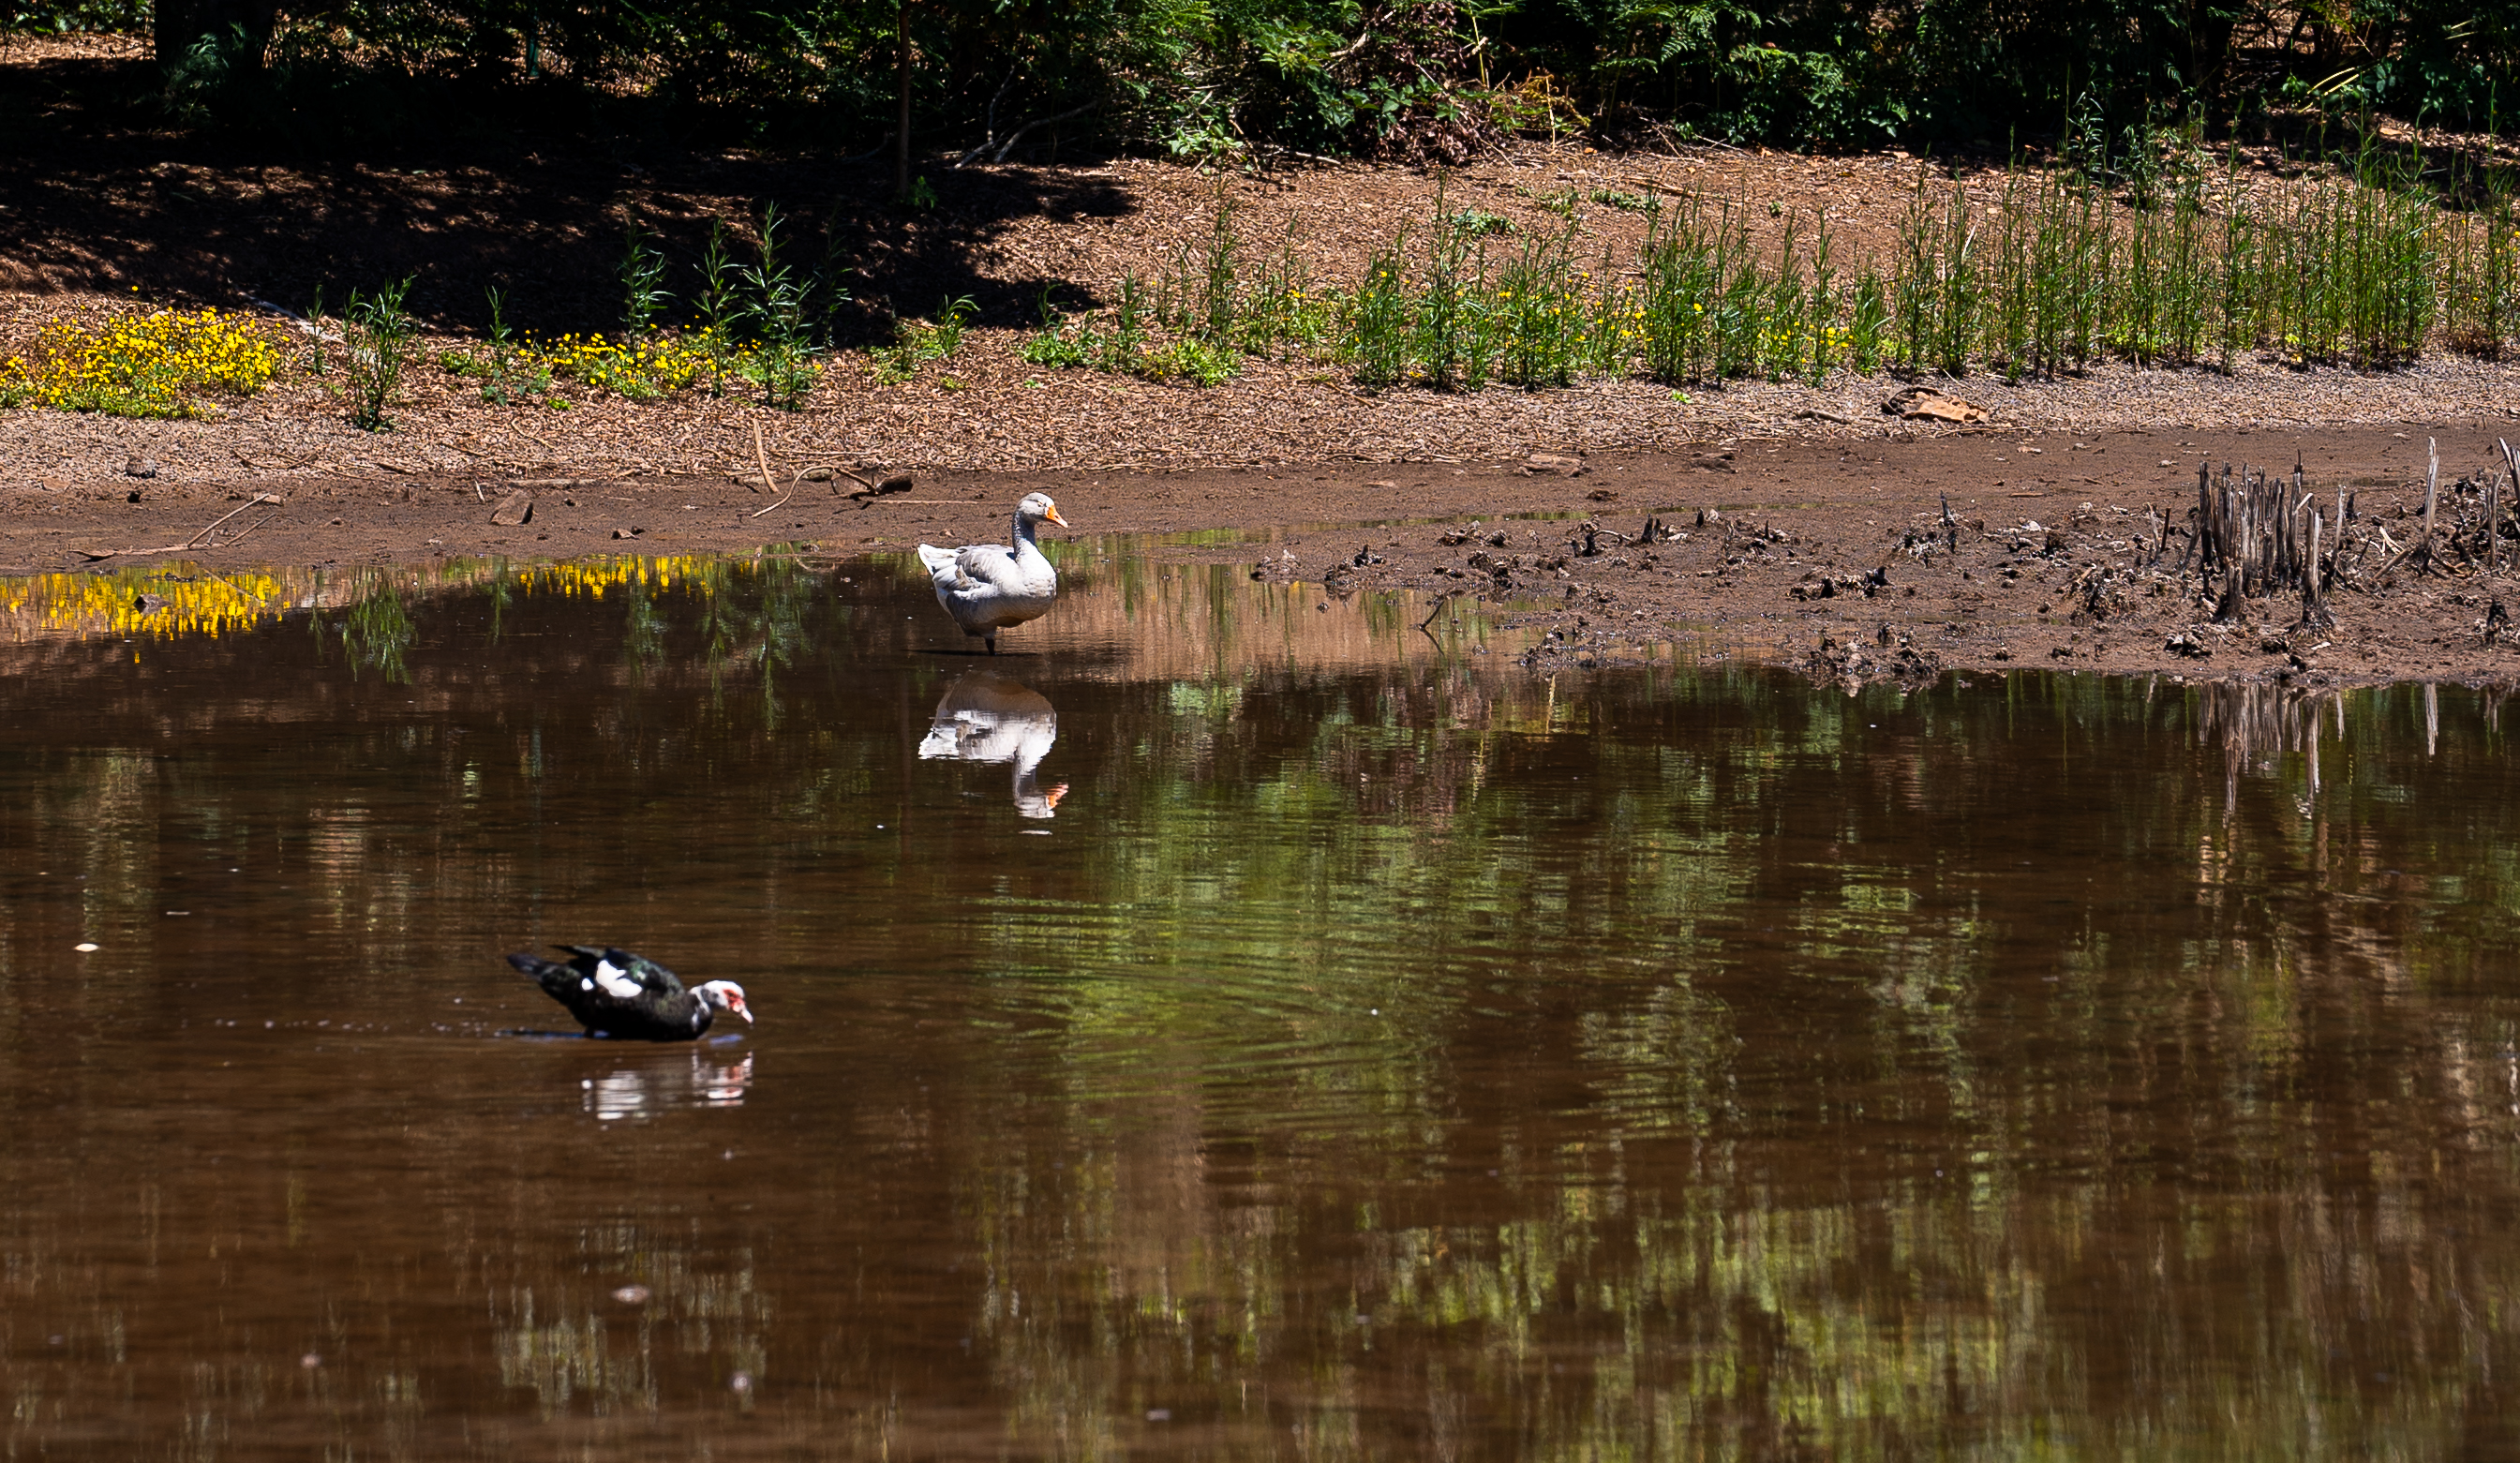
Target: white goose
985,717
989,586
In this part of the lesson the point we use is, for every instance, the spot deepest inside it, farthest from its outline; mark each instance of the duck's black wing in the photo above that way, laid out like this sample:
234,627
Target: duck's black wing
616,992
610,965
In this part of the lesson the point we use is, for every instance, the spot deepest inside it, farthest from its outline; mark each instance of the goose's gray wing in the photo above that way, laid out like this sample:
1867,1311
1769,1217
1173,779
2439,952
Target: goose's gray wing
988,563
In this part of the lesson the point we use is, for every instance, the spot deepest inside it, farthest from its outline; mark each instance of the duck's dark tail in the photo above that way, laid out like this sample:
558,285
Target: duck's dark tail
550,975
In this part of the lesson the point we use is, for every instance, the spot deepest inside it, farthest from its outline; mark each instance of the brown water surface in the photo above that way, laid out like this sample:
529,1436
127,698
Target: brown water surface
1238,1027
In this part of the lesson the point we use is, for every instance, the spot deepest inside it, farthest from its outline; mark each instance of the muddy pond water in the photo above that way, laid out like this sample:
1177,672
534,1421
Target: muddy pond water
1239,1025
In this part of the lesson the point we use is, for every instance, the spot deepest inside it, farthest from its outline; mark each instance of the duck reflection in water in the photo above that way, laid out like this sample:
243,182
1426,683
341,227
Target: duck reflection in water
642,1092
987,717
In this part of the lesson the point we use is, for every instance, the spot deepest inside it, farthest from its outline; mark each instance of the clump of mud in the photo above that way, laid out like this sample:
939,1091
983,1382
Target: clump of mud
1894,655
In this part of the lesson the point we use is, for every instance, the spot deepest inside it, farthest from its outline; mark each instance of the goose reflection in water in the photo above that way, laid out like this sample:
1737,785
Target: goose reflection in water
644,1092
987,717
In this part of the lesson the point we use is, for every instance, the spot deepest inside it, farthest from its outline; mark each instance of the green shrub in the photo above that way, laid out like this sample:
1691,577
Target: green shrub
1059,344
1189,359
918,341
376,338
781,361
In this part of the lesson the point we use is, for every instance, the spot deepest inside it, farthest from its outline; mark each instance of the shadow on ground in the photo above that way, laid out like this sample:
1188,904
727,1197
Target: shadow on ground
529,191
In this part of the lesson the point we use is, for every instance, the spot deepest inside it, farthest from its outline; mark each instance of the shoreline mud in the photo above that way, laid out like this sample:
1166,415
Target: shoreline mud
1856,560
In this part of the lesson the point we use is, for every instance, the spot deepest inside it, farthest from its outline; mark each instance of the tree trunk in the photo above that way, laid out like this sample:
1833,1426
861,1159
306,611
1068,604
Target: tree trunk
901,136
171,31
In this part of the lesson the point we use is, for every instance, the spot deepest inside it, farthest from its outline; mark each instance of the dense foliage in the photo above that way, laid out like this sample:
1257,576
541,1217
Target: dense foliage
1429,79
63,16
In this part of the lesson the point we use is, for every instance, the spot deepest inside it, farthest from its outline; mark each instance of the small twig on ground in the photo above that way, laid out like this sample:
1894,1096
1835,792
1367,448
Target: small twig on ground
248,528
2432,494
259,500
2493,513
285,461
780,503
303,324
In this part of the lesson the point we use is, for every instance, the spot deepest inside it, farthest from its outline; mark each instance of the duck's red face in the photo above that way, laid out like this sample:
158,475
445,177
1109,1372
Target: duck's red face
726,995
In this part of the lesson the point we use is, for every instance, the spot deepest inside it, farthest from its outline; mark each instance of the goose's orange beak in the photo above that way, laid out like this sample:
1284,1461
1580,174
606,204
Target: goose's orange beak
1055,518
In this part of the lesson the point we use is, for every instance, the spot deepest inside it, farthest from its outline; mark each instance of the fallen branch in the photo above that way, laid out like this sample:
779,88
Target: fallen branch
780,504
94,556
1273,147
989,131
869,154
761,455
1017,135
837,469
898,482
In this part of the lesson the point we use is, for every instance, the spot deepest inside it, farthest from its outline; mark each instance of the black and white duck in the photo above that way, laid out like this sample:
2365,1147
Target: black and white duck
988,586
614,993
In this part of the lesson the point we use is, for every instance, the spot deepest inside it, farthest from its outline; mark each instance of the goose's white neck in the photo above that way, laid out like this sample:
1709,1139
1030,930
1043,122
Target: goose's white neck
1023,532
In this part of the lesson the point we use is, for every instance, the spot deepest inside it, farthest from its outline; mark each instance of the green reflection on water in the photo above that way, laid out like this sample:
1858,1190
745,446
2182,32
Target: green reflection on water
1923,1314
1386,1054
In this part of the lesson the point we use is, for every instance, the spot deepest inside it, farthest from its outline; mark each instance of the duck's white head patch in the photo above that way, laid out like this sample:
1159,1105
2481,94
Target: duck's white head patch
726,995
